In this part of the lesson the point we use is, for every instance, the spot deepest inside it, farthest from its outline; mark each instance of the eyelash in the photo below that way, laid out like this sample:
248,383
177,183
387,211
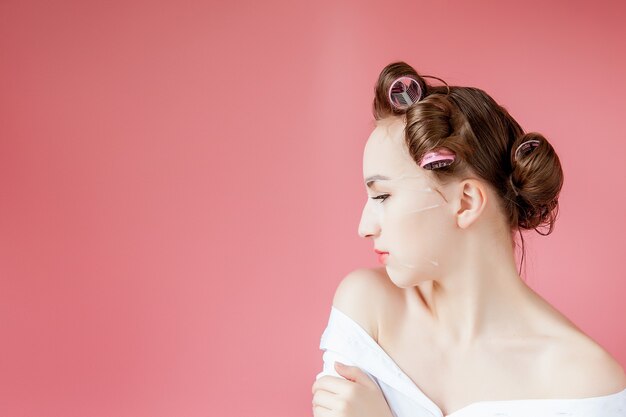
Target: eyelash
382,197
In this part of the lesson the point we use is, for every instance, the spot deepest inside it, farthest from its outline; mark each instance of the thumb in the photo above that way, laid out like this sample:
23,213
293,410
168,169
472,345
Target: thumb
353,373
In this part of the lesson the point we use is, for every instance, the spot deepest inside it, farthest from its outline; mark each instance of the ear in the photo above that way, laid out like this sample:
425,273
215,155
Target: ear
472,201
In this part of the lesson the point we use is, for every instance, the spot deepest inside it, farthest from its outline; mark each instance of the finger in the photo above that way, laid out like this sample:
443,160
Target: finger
327,400
334,384
322,412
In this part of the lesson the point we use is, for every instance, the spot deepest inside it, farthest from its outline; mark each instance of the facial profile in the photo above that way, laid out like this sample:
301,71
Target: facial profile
406,213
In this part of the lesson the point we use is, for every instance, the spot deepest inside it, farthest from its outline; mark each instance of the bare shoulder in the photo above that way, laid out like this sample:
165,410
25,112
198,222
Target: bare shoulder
361,295
585,368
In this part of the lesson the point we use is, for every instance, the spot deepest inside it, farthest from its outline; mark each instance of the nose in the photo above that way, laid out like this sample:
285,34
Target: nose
369,224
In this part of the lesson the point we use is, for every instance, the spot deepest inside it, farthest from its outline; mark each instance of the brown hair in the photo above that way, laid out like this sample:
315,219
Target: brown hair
484,136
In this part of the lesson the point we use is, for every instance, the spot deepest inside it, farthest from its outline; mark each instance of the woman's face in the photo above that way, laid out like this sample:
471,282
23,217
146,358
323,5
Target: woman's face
405,215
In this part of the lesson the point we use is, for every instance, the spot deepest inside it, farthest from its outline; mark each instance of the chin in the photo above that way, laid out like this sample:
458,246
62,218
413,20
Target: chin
404,277
401,277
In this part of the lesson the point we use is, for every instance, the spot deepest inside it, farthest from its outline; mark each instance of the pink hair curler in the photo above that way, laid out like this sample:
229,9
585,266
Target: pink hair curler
526,148
404,91
437,159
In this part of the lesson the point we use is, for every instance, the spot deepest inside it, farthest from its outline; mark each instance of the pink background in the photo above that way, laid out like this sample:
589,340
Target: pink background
182,183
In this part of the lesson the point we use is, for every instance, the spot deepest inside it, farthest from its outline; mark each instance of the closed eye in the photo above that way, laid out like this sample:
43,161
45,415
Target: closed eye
381,197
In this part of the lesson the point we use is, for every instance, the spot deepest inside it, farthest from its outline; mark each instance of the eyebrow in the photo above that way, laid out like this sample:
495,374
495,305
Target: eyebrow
369,181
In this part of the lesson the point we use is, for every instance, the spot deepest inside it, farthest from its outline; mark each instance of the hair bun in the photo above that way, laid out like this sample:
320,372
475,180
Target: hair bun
536,181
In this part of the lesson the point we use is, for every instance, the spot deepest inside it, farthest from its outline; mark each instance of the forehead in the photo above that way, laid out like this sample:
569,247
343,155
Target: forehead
386,153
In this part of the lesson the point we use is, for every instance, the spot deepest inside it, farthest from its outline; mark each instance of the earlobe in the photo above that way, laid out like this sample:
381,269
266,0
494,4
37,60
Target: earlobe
472,201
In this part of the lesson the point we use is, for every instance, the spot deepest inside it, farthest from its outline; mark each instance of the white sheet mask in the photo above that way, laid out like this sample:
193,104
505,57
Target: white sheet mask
409,183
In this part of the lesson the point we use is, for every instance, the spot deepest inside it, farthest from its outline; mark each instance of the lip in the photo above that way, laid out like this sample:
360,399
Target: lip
382,257
379,251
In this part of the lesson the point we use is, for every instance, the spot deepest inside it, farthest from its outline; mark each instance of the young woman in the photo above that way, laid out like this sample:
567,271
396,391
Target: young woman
447,327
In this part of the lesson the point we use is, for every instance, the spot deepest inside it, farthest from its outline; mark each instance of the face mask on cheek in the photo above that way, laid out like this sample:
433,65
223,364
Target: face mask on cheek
413,202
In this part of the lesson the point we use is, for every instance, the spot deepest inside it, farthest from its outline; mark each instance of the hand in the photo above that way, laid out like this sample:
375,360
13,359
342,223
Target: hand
355,396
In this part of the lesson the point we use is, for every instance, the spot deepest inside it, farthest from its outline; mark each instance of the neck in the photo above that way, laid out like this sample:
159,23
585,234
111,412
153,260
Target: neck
482,297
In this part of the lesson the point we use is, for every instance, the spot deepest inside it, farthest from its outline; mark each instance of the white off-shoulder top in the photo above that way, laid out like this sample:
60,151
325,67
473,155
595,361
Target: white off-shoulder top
345,341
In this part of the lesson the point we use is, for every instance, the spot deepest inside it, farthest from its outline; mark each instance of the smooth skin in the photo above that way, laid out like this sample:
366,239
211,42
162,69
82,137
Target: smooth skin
465,328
